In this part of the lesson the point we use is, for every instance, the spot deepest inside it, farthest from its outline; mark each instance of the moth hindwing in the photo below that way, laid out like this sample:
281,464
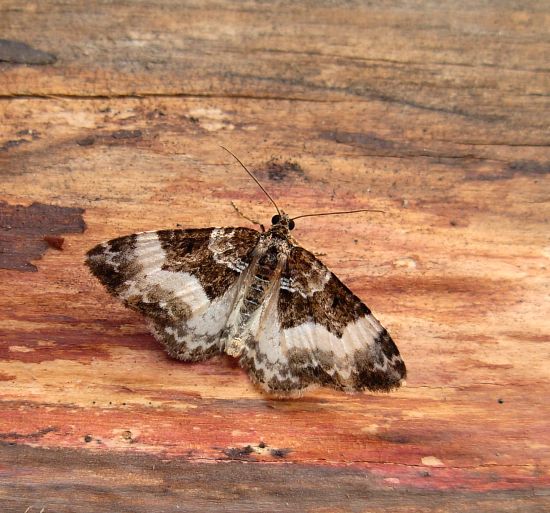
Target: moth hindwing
258,297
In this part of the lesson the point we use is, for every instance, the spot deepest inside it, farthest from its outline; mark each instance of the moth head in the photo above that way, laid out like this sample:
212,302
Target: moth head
283,220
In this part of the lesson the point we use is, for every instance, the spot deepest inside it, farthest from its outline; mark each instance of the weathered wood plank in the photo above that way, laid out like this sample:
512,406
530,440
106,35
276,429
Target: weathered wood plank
464,300
431,113
478,61
94,482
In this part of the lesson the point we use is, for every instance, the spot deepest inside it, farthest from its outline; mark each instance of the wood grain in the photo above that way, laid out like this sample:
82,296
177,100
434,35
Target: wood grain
436,113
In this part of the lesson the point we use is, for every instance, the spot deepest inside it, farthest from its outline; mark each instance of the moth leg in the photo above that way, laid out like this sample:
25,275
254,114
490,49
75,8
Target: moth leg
244,216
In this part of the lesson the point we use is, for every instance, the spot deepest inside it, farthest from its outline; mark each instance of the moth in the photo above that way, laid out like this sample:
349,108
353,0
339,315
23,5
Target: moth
256,296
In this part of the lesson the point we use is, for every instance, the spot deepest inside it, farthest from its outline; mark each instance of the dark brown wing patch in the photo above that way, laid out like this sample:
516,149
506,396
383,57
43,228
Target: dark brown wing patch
112,263
315,294
215,263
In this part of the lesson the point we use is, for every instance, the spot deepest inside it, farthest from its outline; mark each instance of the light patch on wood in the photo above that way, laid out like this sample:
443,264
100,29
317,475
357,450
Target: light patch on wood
212,119
371,429
432,461
406,262
20,349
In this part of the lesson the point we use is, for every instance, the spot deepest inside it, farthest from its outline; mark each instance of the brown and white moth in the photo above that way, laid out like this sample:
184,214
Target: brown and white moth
256,296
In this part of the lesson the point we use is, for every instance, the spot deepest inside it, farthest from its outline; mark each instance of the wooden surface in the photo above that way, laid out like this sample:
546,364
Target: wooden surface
437,113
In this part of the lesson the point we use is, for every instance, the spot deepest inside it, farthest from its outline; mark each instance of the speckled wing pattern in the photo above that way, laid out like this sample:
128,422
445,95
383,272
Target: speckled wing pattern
258,297
185,282
311,330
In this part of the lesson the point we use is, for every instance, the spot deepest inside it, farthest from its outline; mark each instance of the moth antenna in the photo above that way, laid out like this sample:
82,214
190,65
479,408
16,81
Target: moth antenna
338,213
253,178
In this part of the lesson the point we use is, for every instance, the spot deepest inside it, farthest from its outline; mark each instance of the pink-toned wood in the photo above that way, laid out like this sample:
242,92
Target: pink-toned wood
433,114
